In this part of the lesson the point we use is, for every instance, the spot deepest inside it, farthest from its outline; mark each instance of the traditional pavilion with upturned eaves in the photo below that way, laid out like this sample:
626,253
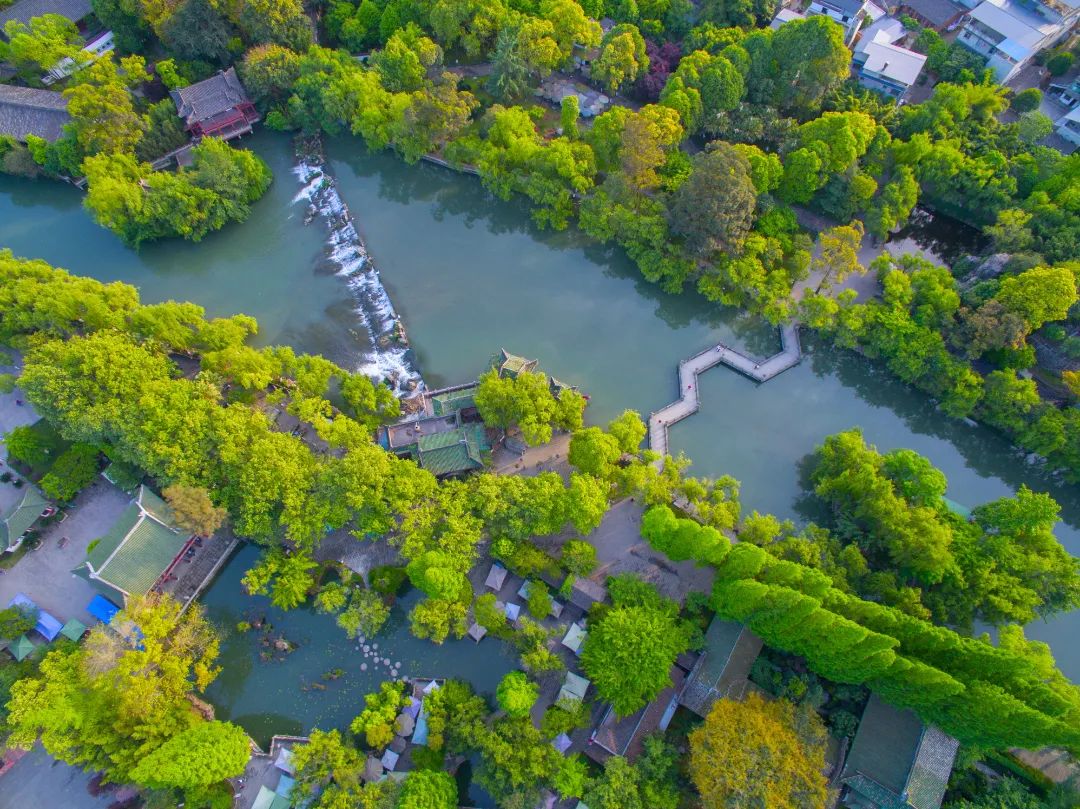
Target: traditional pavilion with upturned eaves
20,518
141,548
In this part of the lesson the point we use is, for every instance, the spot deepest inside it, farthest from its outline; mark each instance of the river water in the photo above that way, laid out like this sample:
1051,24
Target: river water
469,274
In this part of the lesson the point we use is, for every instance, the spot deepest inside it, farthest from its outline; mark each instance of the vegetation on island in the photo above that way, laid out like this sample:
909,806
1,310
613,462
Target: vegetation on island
881,598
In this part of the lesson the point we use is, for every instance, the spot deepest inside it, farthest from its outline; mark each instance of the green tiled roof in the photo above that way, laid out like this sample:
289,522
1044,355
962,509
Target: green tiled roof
896,762
108,544
511,364
155,507
22,514
443,404
142,557
139,546
458,450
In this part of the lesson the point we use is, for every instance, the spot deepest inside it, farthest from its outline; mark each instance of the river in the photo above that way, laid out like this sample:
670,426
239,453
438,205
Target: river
470,274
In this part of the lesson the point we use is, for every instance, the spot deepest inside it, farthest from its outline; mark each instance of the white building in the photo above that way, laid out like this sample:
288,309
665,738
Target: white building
849,13
1010,32
881,64
1068,126
98,45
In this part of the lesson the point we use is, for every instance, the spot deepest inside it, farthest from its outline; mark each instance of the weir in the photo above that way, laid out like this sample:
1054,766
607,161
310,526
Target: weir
689,400
390,357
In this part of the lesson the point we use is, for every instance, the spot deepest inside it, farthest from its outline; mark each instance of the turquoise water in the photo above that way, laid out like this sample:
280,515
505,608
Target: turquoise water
470,274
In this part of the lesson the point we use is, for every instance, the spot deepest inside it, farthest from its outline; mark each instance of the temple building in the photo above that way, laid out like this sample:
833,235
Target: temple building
139,551
216,107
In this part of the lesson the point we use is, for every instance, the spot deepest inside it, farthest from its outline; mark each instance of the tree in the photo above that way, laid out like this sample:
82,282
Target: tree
329,767
269,73
193,509
1039,295
404,62
757,753
124,693
568,116
578,557
428,789
539,600
72,472
811,59
517,694
195,759
43,43
282,22
28,445
527,401
196,30
377,720
630,650
839,254
713,209
15,621
103,114
365,614
622,58
287,578
1026,100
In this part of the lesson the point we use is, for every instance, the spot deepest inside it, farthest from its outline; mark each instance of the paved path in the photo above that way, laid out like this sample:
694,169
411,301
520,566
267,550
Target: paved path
759,370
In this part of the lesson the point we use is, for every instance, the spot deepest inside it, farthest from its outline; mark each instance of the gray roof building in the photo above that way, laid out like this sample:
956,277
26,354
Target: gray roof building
896,762
27,111
217,106
25,10
938,14
723,668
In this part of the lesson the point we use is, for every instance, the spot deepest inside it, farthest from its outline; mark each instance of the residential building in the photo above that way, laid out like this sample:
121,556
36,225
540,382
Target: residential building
896,762
849,13
941,15
216,107
141,549
1010,32
25,10
1068,126
884,66
723,669
26,111
785,15
24,512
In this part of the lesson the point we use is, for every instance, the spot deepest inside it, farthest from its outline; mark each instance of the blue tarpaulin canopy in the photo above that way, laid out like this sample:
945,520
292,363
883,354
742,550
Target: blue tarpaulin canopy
102,609
47,625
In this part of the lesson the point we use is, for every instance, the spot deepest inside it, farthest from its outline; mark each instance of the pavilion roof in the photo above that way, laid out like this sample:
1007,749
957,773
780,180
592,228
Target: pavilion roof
73,629
139,546
511,365
457,450
21,647
18,519
451,401
210,97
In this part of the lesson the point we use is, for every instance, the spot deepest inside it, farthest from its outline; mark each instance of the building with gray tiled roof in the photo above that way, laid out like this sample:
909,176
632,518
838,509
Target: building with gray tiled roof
937,14
896,762
218,106
27,111
25,10
723,668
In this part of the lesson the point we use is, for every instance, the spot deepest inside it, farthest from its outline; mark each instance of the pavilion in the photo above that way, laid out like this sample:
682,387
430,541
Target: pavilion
20,518
140,549
21,647
216,107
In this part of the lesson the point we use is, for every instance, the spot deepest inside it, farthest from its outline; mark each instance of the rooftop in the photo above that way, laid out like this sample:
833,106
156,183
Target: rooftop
893,62
210,97
1014,22
23,513
510,365
28,111
138,548
451,401
623,736
724,666
936,12
457,450
895,761
25,10
785,15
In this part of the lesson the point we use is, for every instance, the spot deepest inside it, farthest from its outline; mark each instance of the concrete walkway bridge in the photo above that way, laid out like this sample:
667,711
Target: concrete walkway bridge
689,400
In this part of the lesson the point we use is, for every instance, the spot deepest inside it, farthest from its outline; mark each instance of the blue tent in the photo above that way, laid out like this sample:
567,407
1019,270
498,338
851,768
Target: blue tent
102,609
47,625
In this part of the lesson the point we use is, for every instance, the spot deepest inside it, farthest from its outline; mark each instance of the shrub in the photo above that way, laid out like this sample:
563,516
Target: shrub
1027,100
73,471
516,694
387,579
1059,63
539,600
